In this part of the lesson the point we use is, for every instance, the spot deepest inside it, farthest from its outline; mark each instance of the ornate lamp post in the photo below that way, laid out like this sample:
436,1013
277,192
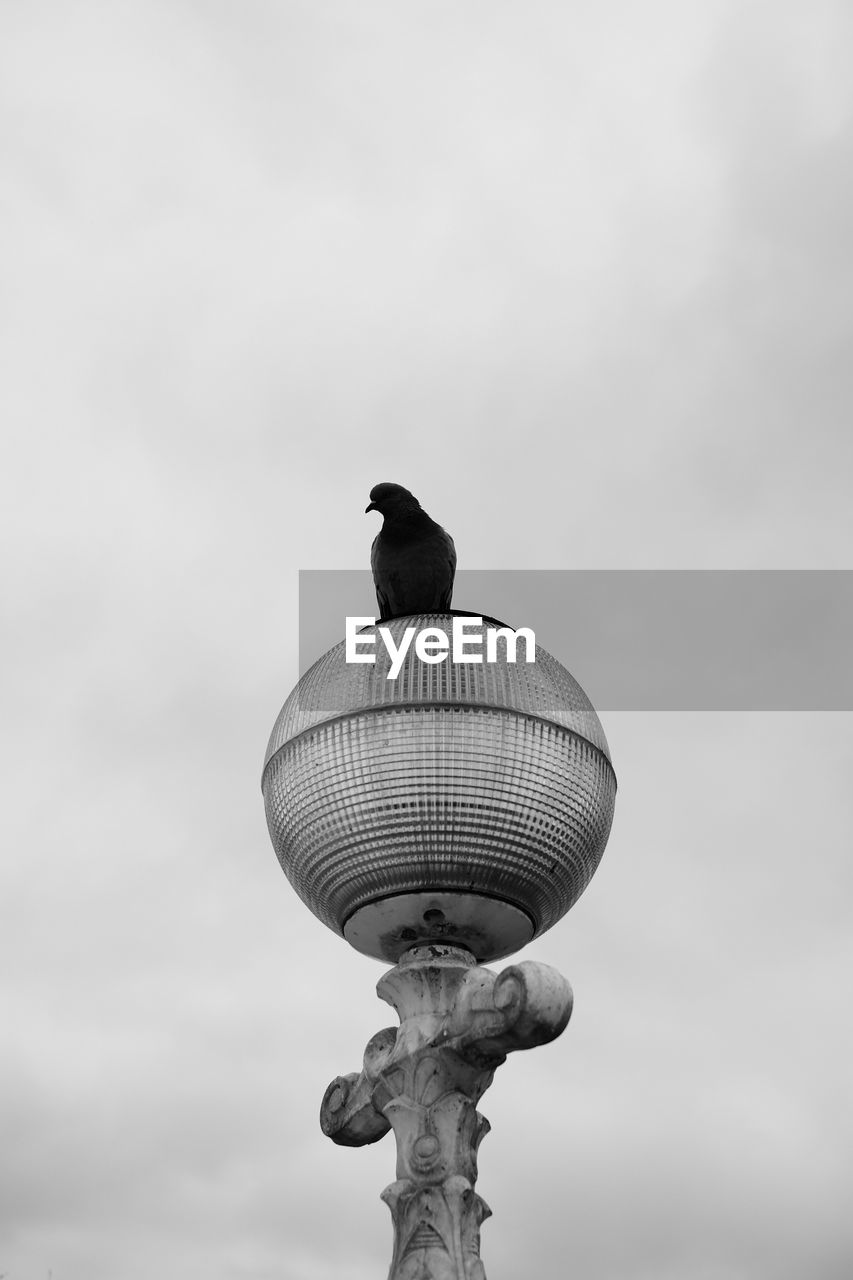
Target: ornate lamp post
437,821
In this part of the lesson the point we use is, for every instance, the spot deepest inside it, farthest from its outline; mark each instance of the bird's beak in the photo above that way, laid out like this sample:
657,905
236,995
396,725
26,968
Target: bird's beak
372,507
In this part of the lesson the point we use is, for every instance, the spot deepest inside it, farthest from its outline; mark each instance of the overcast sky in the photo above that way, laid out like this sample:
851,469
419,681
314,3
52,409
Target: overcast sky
580,275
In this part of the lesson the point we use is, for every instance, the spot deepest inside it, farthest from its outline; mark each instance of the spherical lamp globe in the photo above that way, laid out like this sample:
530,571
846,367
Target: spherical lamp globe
462,802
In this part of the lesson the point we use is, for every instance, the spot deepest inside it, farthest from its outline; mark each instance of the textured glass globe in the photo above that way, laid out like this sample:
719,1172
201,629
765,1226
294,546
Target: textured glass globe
459,802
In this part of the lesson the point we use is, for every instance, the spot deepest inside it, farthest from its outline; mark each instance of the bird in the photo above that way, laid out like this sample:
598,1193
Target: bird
413,559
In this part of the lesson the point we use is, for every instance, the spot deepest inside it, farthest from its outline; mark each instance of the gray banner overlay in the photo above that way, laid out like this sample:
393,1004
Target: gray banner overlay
648,640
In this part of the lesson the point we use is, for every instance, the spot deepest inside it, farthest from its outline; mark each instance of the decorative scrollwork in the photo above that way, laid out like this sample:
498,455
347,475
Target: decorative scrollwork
458,1021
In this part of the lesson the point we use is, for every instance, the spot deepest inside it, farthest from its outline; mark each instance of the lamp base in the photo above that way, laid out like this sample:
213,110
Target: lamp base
458,1022
487,927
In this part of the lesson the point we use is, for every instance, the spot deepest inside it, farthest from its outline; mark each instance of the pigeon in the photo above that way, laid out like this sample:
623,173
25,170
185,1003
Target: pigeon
413,559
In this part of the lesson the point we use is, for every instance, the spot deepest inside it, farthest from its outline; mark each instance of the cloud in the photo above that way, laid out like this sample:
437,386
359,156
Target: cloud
580,278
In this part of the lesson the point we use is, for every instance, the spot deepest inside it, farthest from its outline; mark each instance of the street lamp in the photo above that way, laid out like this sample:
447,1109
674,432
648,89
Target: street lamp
437,821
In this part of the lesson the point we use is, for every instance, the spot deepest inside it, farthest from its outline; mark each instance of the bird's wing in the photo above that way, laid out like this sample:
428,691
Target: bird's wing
429,572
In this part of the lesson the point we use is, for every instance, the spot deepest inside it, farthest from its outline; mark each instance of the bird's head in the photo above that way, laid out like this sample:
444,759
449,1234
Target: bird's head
392,500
